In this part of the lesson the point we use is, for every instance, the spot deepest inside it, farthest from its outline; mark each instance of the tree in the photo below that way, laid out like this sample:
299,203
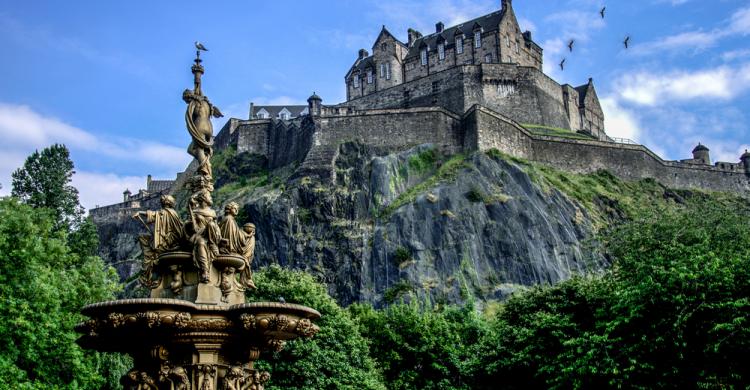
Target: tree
336,358
421,347
673,312
43,285
44,182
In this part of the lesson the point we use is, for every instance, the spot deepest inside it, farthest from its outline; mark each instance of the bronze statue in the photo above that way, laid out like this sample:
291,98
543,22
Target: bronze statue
205,233
241,242
198,119
167,234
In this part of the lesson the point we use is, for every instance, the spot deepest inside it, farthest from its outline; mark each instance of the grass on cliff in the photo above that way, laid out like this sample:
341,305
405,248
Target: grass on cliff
554,131
444,173
607,197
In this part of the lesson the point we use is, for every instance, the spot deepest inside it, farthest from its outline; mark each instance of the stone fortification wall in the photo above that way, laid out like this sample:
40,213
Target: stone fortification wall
124,210
385,130
524,94
252,136
631,162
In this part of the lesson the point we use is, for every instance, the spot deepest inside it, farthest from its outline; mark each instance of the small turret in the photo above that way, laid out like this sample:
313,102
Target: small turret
126,195
314,104
745,158
700,153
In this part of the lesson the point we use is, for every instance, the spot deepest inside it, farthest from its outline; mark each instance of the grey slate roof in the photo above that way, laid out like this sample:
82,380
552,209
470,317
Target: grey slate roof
363,64
159,185
488,22
273,111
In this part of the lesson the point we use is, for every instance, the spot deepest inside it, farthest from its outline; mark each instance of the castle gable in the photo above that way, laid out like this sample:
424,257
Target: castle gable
384,37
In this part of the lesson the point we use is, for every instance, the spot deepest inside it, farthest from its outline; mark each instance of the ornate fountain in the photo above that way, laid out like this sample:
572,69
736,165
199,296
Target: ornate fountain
195,331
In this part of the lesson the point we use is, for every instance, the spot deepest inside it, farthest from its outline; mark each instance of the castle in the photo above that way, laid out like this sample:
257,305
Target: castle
472,87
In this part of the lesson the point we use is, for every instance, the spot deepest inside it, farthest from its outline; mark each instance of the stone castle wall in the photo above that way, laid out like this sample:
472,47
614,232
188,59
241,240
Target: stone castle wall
630,162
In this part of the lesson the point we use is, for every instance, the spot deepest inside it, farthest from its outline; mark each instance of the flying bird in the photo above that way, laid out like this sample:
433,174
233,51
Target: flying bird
570,44
601,12
200,46
626,42
562,64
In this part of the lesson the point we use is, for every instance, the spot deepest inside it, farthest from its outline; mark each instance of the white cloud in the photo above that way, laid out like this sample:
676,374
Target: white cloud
656,89
735,54
99,189
740,22
694,40
24,130
620,122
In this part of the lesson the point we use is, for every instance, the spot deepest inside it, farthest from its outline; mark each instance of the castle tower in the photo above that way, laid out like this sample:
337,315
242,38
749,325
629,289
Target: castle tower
700,154
126,195
745,158
314,104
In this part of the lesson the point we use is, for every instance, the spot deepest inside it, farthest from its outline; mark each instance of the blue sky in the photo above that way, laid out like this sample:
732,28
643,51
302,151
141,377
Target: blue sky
106,77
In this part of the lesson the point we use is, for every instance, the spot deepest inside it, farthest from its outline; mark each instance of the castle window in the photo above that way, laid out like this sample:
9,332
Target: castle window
459,45
369,76
478,39
382,70
435,87
388,71
284,116
356,81
441,51
488,58
384,46
424,56
517,47
507,41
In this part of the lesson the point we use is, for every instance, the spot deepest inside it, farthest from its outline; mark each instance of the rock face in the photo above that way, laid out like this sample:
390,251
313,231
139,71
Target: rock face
414,224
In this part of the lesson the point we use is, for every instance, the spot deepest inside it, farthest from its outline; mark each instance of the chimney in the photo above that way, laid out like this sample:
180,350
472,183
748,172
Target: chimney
413,36
252,107
505,4
439,26
363,54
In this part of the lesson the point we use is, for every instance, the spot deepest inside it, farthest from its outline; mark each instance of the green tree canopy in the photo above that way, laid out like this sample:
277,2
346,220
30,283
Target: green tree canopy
336,358
44,182
672,313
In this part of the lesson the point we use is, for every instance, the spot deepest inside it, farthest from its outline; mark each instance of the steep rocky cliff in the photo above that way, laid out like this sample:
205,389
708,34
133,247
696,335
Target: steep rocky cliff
416,223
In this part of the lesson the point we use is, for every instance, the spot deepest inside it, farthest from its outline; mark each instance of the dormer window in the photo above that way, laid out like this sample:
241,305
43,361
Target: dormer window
478,39
441,51
356,81
369,76
423,56
283,116
459,45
